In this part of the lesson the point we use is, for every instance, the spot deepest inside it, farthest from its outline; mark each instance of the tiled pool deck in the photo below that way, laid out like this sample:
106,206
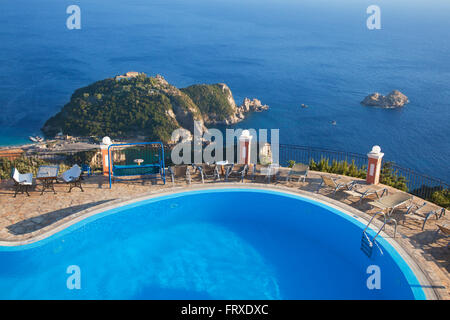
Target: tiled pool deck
25,219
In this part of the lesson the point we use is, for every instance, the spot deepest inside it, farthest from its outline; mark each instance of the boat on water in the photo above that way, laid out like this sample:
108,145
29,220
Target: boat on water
36,138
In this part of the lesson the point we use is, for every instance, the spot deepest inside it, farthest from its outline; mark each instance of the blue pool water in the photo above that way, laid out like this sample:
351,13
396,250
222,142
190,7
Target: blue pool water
217,244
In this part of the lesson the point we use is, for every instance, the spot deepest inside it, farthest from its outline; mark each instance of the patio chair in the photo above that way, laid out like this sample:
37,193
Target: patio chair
207,171
22,182
261,172
180,172
283,174
423,212
299,171
444,229
393,201
363,191
237,171
334,184
73,178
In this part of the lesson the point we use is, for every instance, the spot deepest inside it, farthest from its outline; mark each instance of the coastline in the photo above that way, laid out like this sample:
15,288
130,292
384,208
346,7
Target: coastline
18,145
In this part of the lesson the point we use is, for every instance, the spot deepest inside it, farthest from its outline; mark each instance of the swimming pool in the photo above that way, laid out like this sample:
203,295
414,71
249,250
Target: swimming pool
208,244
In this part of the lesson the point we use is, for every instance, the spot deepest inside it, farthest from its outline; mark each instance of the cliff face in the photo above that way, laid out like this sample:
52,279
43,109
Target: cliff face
394,99
218,106
146,106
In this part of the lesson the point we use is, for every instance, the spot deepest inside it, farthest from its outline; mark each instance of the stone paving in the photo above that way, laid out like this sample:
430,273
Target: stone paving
25,218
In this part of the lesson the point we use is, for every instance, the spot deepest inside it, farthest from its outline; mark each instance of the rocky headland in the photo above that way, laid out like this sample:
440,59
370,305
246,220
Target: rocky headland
137,105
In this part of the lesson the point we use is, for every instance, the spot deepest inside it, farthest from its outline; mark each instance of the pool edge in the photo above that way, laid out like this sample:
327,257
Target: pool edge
415,266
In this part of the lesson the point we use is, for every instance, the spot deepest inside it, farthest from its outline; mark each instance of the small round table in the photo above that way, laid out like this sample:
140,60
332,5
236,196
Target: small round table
138,161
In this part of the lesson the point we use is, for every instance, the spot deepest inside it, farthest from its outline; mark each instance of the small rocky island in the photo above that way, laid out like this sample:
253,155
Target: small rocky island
137,105
394,99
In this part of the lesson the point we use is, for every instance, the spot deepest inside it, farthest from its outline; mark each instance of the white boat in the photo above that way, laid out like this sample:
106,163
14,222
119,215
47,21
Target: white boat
36,139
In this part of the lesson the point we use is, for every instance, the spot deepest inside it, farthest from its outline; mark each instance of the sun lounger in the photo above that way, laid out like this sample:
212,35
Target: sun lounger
362,191
180,172
206,171
444,229
22,182
423,212
335,185
237,171
283,174
392,202
73,178
264,173
299,171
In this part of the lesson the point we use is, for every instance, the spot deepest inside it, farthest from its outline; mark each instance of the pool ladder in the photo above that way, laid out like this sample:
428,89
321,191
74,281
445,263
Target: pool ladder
367,244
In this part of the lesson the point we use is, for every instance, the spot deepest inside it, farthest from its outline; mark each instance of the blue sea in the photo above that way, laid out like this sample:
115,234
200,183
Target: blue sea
284,52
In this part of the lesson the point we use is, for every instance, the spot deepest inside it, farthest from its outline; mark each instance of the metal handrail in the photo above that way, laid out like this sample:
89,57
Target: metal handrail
386,220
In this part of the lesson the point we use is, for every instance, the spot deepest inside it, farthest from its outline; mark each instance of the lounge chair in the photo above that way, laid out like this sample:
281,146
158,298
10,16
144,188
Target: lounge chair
22,182
180,172
334,184
73,178
237,171
299,171
264,173
423,212
393,201
444,229
363,191
207,171
283,174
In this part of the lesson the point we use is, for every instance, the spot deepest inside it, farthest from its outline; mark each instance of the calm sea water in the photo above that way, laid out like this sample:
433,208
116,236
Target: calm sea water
284,52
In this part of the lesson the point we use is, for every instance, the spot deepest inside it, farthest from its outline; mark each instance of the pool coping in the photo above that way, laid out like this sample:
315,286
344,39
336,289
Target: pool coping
416,266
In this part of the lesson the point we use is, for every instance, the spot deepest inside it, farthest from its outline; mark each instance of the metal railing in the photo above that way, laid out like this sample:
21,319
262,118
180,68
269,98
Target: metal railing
304,154
91,157
392,174
416,183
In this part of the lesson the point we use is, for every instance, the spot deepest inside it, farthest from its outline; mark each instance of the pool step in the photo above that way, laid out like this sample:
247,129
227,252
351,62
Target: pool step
366,245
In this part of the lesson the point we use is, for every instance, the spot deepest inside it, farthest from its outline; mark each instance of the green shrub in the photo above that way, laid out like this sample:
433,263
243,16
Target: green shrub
23,164
31,165
341,167
441,198
291,163
392,178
